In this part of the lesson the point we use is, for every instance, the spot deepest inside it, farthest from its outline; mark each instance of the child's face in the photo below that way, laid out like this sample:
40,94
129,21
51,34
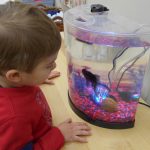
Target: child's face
41,71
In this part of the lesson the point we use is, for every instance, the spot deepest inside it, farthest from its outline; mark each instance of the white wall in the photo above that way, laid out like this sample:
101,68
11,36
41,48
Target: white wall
3,1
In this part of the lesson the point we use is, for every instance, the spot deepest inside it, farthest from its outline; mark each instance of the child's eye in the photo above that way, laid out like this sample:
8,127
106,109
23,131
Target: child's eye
51,66
48,67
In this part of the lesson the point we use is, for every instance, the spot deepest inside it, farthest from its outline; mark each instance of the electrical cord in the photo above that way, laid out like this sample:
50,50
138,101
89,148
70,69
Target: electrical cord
144,104
140,55
129,61
114,63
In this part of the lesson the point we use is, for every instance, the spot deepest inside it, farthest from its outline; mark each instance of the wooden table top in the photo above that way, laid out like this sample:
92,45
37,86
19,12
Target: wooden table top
136,138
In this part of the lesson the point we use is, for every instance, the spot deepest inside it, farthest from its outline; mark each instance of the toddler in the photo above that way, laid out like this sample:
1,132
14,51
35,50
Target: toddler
29,44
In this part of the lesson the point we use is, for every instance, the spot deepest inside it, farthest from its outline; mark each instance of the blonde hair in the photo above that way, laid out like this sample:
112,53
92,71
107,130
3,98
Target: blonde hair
27,35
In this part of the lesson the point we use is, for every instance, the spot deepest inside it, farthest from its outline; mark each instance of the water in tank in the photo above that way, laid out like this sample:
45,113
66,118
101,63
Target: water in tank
107,55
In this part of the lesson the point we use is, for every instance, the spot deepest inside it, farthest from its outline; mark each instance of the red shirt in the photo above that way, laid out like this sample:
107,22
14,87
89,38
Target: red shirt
24,117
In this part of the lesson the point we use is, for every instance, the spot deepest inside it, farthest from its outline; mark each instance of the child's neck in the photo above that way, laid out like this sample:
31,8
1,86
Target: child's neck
4,83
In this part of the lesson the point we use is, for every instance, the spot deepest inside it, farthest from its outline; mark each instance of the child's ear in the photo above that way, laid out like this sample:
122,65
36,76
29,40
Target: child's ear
13,75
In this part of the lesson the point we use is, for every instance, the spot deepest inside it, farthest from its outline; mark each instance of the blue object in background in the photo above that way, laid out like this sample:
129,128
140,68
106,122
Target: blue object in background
45,2
52,12
29,146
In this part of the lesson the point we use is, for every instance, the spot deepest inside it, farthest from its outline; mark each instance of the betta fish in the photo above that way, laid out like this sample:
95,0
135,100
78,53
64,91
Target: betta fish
90,77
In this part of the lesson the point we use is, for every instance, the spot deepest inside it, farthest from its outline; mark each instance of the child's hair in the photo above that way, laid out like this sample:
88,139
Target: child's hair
27,35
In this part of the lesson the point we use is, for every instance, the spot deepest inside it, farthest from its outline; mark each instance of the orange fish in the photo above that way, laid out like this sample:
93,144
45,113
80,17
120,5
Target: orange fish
109,105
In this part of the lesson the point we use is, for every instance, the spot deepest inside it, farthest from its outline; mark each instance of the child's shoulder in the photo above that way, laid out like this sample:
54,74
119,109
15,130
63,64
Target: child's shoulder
14,100
6,109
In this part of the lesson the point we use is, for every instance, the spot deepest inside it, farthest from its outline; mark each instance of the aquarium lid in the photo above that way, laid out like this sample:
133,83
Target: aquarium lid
104,22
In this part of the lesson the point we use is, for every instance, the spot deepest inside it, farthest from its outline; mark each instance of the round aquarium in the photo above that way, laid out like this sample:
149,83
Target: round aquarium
107,56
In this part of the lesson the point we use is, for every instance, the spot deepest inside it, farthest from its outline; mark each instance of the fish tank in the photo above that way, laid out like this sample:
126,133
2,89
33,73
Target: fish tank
107,55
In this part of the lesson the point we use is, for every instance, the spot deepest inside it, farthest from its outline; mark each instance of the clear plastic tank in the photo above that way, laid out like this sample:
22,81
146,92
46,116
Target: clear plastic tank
107,56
